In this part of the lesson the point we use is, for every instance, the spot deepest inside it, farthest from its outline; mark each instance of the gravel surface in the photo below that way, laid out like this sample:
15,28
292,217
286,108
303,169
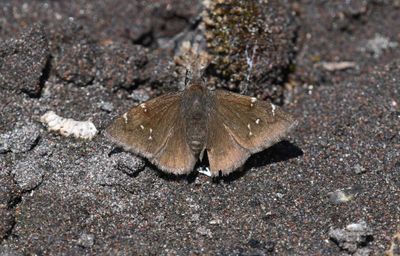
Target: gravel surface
331,188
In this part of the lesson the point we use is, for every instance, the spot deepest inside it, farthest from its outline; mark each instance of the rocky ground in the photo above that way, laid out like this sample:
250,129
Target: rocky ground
331,188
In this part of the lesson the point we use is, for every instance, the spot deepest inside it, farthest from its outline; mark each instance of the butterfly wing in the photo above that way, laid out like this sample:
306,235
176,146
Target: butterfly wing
176,156
154,130
249,125
223,151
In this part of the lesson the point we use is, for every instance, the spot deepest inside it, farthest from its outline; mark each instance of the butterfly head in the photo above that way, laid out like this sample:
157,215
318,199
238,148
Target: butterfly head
195,76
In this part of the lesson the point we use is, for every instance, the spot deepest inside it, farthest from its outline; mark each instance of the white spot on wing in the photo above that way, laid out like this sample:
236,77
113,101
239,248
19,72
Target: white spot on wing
249,127
252,100
273,109
125,116
257,121
144,107
142,127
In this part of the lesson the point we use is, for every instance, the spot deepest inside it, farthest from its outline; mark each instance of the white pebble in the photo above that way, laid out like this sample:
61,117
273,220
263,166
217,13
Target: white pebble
69,127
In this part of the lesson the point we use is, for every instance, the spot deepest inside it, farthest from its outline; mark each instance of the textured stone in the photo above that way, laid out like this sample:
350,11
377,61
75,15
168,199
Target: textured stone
25,62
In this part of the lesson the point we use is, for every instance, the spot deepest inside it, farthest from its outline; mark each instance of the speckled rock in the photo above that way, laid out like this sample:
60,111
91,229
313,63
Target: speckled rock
24,62
23,137
9,197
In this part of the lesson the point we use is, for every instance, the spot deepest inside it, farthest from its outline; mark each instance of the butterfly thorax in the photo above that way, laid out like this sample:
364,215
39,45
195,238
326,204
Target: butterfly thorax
194,109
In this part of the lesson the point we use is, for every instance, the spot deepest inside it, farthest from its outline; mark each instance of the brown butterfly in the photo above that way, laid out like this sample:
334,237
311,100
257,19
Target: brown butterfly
175,129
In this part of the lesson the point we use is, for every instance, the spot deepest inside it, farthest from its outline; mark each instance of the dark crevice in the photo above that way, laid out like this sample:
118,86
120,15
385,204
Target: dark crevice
42,79
8,233
14,202
12,205
146,39
194,24
34,144
116,150
45,72
136,83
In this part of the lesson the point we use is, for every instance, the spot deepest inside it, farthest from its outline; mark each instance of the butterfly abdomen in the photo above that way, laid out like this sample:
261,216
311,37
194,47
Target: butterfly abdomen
196,130
195,115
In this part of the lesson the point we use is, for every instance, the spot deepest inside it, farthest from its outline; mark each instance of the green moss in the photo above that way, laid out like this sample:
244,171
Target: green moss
232,26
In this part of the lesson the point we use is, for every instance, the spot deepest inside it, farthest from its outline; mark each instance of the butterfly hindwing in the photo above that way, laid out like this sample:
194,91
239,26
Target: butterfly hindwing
224,153
176,156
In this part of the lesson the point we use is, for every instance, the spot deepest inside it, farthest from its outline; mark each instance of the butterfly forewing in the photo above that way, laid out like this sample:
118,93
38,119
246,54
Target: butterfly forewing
255,125
151,129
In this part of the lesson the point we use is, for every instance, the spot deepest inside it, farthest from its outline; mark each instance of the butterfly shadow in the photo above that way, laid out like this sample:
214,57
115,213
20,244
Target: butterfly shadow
281,151
189,178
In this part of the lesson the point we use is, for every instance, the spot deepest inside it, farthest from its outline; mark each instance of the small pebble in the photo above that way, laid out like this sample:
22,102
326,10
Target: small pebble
339,197
204,231
106,106
359,169
195,217
352,238
86,240
215,222
139,95
344,195
69,127
128,163
377,45
337,66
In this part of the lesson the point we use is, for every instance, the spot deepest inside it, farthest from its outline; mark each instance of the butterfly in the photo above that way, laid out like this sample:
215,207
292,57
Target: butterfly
176,129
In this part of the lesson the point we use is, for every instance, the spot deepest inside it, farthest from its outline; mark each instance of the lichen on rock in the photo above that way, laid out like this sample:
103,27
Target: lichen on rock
252,43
